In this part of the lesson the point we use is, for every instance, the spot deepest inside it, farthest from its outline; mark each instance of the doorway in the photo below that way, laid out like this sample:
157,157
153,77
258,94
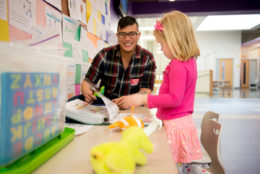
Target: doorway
244,75
226,70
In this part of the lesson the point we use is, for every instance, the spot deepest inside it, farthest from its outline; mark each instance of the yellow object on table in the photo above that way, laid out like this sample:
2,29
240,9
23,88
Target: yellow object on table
121,157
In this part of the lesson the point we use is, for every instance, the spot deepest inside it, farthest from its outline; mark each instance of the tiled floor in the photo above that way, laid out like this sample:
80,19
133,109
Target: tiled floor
240,119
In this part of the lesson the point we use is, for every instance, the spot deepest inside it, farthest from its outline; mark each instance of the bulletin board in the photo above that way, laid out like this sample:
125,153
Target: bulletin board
74,29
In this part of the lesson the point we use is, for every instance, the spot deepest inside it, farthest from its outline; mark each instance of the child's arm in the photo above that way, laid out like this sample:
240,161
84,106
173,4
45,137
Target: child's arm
176,89
132,100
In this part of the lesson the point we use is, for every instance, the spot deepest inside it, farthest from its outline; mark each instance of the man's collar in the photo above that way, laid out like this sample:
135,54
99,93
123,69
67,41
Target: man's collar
137,52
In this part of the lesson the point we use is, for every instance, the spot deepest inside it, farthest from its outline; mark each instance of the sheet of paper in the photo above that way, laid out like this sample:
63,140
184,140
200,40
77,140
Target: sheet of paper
3,10
83,11
75,9
70,28
111,108
22,14
79,128
53,19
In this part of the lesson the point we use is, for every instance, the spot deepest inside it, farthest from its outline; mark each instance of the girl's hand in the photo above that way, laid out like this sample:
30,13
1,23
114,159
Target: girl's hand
126,102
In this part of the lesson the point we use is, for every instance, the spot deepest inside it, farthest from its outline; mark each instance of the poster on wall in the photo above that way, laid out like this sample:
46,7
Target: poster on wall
97,18
22,14
77,10
3,10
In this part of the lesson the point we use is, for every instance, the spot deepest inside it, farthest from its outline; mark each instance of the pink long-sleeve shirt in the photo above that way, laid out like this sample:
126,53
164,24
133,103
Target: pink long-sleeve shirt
176,94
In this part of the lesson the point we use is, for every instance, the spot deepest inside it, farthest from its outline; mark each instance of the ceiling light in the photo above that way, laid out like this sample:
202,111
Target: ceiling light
229,22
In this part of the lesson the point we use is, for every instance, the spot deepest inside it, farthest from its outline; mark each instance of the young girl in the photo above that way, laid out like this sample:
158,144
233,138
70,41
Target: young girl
175,101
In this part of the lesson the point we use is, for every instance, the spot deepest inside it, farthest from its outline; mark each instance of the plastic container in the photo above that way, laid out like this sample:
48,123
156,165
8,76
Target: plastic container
32,100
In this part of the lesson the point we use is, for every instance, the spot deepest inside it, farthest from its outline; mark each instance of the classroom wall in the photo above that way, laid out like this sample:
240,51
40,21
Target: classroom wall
87,27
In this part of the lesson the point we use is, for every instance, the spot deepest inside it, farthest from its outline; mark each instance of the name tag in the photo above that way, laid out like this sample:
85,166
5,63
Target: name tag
134,82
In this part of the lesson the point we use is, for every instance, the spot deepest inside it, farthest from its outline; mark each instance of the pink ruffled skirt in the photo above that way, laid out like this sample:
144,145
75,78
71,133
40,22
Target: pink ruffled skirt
183,139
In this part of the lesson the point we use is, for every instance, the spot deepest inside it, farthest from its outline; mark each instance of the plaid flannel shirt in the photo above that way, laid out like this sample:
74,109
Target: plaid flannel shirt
108,66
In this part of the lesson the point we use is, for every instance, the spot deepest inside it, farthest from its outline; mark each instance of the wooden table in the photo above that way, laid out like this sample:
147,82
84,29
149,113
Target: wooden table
75,157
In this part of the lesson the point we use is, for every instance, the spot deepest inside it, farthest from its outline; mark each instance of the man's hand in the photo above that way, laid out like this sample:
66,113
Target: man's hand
126,102
87,92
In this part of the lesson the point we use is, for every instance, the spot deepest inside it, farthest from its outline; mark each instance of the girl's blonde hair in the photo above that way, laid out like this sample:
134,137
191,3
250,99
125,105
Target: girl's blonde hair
179,35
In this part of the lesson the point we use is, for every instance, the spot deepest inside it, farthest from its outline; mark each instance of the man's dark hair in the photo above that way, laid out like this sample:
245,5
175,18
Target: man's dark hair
125,21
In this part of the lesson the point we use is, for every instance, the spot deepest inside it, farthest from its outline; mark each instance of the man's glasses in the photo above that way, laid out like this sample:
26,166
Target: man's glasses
131,34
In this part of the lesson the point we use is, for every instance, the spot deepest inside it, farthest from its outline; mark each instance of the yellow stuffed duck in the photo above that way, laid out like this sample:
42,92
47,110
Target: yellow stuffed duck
121,157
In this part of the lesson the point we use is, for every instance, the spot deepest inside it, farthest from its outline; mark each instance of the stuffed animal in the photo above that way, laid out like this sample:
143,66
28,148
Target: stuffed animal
121,157
127,122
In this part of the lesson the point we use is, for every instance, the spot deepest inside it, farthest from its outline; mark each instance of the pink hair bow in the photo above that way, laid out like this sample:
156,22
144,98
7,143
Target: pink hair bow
158,26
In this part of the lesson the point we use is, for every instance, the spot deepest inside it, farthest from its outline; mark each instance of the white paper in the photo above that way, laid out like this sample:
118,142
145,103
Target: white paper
3,9
22,14
74,8
79,128
55,3
49,38
53,19
83,13
70,27
112,108
86,113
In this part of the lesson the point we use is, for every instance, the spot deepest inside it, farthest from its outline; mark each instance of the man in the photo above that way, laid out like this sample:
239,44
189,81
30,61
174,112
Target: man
123,69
